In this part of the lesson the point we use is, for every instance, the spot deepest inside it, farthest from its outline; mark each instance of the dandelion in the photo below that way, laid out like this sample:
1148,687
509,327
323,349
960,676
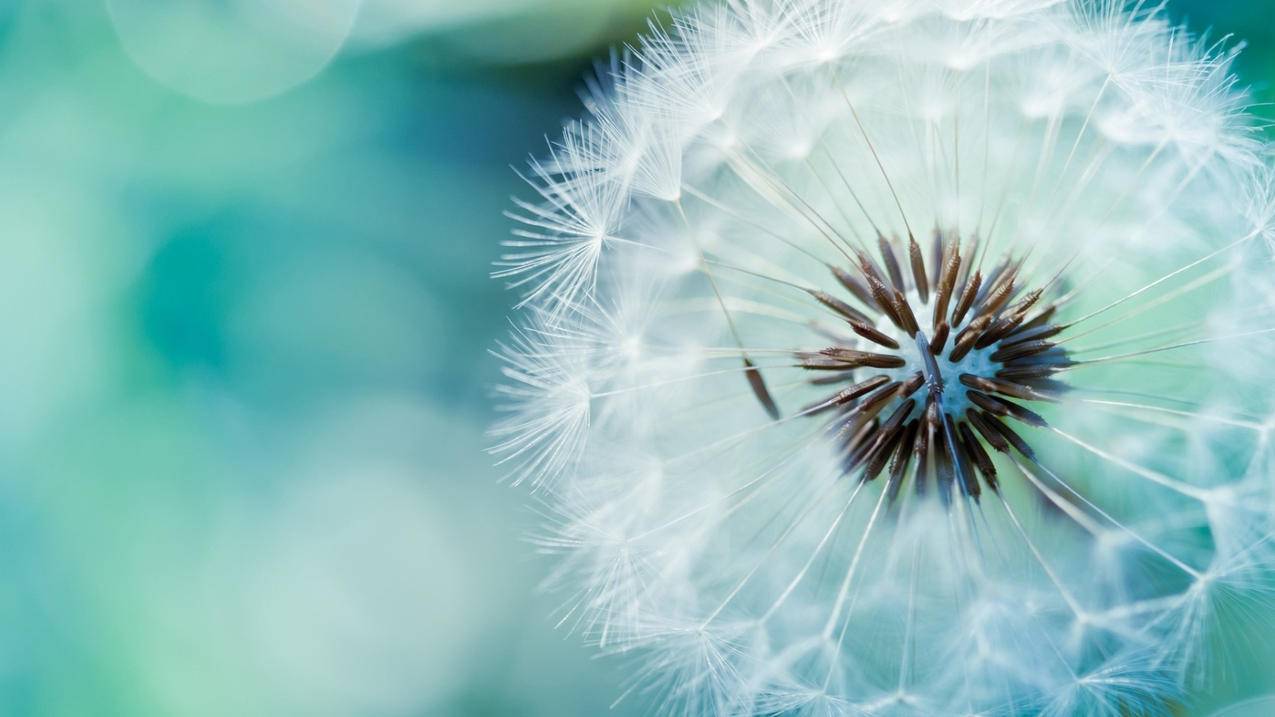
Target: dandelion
904,357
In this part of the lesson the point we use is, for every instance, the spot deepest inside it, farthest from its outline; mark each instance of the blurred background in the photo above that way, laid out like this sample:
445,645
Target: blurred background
244,314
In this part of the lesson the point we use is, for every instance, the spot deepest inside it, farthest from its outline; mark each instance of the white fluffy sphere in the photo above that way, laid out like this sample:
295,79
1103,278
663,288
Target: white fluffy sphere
903,357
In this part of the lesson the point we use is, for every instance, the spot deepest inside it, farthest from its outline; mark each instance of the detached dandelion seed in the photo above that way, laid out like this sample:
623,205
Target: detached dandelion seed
904,357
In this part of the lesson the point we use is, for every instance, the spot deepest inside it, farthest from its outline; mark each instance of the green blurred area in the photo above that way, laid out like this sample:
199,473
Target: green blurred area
245,376
245,299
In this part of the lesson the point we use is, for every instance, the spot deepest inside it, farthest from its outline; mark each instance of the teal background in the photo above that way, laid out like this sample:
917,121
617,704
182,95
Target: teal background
244,315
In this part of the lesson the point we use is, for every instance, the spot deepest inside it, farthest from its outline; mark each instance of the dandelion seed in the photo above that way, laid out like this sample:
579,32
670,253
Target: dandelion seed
904,357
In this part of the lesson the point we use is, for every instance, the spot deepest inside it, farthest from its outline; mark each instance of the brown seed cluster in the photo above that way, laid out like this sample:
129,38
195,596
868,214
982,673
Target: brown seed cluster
905,394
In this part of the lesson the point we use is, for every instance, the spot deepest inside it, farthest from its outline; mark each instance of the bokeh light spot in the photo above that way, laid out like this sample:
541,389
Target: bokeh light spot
232,51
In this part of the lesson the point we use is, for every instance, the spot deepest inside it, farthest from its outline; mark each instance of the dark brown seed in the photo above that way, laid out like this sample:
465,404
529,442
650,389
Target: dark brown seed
1029,373
964,470
873,403
873,335
966,339
971,251
815,362
945,463
987,403
940,338
1047,389
998,330
918,270
844,359
891,262
1027,416
922,452
932,418
1022,350
864,358
1009,435
861,449
883,299
912,385
883,445
1005,325
997,298
860,389
991,282
967,298
942,460
902,456
1040,319
947,281
878,456
904,310
901,419
847,311
852,284
989,434
975,449
1008,388
1027,302
868,267
937,252
977,326
1002,407
926,441
758,384
845,395
862,435
976,382
1019,336
964,344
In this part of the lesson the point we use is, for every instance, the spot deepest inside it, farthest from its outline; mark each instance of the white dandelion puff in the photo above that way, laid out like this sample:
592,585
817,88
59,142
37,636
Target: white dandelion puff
554,254
546,396
904,357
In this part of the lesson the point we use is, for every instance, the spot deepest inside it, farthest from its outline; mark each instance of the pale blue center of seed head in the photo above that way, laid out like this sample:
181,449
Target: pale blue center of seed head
977,362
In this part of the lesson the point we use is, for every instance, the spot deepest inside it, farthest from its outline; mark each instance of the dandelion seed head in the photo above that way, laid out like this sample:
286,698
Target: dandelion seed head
902,357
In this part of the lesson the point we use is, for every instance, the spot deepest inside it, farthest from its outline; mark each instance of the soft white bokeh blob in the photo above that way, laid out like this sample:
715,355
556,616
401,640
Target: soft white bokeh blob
232,51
